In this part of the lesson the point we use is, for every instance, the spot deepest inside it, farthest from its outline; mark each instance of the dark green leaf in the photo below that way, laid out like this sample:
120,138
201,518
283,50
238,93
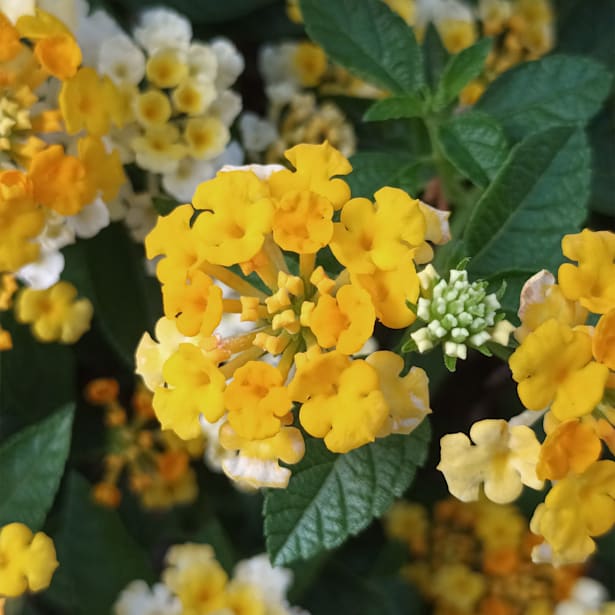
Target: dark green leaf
331,497
476,145
369,39
553,91
435,54
98,558
52,365
460,70
539,195
373,170
602,137
32,463
395,107
164,205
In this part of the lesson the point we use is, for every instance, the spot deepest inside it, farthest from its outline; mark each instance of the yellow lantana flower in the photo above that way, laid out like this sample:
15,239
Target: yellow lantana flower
54,314
576,509
310,63
603,340
206,137
503,457
166,68
27,561
10,45
592,282
59,55
152,107
554,366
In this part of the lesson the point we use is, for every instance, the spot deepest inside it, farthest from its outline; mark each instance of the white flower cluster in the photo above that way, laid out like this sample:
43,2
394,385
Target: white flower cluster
458,313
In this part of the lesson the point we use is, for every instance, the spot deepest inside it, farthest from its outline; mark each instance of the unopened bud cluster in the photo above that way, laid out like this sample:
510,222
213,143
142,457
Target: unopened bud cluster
458,313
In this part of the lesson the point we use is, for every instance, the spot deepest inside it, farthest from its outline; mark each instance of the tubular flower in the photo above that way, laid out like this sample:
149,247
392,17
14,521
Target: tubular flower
27,560
554,366
246,229
503,457
577,509
54,314
592,282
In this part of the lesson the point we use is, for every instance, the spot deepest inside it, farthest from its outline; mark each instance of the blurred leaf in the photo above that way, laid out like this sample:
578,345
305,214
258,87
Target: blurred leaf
126,300
435,54
98,557
35,378
331,497
553,91
460,70
373,170
476,145
395,107
539,195
32,463
164,205
369,39
213,533
602,138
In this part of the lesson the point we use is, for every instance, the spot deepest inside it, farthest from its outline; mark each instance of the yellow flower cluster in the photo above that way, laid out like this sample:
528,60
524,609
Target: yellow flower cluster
8,287
156,463
475,558
565,369
27,561
274,226
39,181
194,583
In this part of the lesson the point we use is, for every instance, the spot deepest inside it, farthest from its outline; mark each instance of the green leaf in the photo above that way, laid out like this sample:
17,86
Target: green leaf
331,497
395,107
369,39
164,205
435,54
460,70
602,137
98,558
32,463
476,145
126,300
553,91
52,365
539,195
373,170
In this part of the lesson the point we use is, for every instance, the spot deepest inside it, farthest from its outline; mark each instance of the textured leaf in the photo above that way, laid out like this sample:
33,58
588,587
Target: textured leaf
476,145
98,557
331,497
32,463
460,70
373,170
52,365
395,107
553,91
539,195
369,39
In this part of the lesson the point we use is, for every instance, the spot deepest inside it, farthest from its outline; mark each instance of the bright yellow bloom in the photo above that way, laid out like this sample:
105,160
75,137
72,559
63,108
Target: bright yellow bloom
554,366
54,314
89,102
236,215
457,34
195,386
347,409
381,235
542,299
503,458
572,447
406,396
256,400
315,166
603,340
346,321
59,55
10,45
302,222
103,169
593,281
310,63
166,68
40,25
152,107
576,509
196,304
27,561
206,137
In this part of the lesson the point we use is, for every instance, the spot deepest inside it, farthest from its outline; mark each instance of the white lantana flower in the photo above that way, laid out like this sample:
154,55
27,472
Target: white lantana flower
230,62
138,599
202,62
159,28
14,9
141,216
93,31
90,220
122,60
256,133
43,273
183,181
227,106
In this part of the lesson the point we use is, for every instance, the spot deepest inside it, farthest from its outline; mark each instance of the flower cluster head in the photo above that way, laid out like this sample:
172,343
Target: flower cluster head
457,314
51,190
155,463
27,560
476,558
255,325
565,371
194,582
177,105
